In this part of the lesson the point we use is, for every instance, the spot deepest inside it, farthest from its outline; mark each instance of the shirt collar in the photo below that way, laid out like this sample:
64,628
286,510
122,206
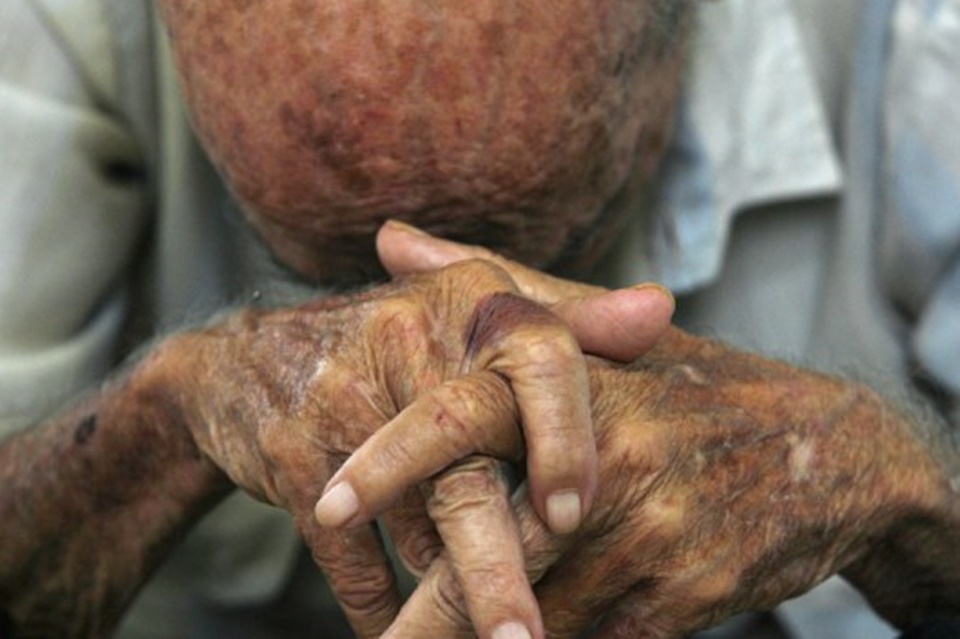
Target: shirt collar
752,130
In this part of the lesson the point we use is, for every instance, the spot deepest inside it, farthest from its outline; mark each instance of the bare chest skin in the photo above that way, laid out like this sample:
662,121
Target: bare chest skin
502,123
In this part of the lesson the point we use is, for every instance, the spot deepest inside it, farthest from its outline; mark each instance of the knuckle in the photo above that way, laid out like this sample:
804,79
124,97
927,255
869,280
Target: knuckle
369,593
715,589
391,456
448,599
552,350
401,319
419,550
491,386
492,582
666,518
281,482
273,437
474,482
508,321
413,533
487,391
463,406
483,269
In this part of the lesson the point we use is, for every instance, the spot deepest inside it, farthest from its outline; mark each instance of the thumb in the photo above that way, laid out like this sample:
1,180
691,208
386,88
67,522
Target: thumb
404,249
621,325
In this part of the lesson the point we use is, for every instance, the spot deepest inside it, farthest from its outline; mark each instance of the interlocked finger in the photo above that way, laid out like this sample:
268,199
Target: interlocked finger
471,509
439,607
474,414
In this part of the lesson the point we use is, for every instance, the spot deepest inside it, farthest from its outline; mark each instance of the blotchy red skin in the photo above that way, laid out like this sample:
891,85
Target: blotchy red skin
505,123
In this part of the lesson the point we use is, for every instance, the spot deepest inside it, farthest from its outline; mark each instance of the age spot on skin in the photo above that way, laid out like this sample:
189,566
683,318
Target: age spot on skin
86,430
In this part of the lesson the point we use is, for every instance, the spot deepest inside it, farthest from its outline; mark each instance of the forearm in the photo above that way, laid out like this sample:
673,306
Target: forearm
91,502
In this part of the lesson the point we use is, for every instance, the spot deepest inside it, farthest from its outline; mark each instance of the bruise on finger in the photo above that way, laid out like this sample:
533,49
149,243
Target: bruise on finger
499,314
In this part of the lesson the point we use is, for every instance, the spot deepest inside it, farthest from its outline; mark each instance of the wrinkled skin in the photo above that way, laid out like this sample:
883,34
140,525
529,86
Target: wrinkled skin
753,497
279,399
327,117
272,401
729,482
513,124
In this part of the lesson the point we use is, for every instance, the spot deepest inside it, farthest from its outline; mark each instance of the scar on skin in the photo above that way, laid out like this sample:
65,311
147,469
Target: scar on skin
85,430
499,314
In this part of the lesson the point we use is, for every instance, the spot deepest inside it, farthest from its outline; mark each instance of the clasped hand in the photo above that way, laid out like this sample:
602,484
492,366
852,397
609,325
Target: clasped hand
455,360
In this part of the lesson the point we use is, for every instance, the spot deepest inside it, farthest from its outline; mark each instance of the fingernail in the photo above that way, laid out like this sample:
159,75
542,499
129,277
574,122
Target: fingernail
511,630
564,511
406,228
653,286
338,506
663,290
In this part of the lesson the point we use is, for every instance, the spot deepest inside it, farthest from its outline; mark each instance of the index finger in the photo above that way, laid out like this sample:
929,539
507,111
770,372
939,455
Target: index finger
439,607
405,249
469,415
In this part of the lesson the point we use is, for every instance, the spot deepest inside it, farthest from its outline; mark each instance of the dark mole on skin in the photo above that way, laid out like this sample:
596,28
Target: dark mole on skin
499,314
85,430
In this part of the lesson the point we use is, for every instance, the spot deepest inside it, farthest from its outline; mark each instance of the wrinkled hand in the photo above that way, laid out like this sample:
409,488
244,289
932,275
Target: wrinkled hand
728,483
279,399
